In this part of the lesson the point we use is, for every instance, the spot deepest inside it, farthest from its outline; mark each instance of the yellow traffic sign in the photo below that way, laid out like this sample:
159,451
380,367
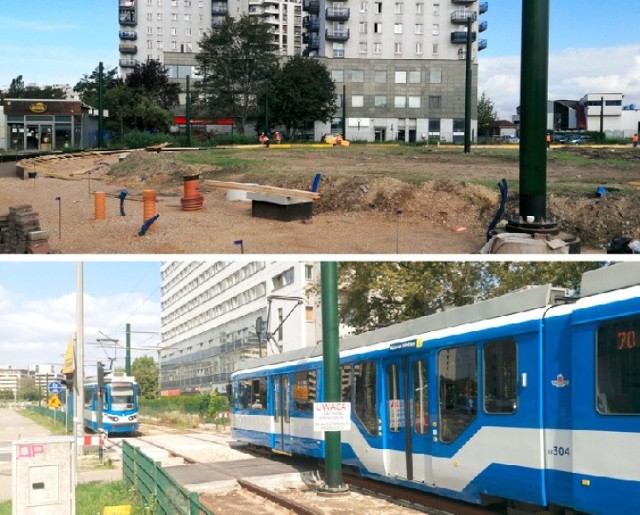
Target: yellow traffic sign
54,401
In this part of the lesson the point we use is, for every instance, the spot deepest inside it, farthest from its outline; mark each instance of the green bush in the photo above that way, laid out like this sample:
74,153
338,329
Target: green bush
138,139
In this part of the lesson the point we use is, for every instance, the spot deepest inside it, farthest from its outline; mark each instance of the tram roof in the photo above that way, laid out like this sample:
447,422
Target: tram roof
527,299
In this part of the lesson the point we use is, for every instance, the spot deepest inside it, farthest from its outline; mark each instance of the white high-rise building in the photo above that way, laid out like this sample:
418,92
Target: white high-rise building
399,64
217,313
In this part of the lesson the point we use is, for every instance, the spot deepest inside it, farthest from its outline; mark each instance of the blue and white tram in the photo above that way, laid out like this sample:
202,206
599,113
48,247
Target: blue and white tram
120,404
525,398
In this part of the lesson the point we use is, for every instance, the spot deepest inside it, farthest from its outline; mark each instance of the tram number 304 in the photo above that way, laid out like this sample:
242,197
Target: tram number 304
559,451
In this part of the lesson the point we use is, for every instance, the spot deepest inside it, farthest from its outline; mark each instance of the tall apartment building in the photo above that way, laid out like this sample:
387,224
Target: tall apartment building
399,63
217,313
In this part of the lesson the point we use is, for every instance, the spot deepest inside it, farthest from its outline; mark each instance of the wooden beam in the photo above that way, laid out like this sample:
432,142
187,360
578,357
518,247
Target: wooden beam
267,190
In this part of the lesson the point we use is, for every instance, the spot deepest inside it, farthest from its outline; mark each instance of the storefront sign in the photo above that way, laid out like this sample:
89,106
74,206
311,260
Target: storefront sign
38,107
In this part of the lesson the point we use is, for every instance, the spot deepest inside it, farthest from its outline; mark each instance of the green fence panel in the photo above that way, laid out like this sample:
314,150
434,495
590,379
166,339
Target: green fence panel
155,487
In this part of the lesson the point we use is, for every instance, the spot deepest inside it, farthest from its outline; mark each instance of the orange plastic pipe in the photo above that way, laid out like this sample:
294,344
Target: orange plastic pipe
149,206
100,205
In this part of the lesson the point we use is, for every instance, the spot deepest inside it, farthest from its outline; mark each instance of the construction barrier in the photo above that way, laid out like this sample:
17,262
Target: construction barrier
157,489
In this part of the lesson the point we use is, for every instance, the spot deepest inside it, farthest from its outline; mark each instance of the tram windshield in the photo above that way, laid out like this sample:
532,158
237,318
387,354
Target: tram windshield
122,397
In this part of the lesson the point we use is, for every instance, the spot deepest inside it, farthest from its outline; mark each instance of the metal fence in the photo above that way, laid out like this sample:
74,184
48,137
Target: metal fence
156,488
58,416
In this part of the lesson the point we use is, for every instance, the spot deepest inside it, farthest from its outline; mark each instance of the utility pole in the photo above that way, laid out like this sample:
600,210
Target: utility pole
344,112
100,106
188,111
468,87
79,372
331,368
127,356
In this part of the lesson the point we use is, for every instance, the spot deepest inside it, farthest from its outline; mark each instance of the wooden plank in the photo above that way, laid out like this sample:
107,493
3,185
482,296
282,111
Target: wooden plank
268,190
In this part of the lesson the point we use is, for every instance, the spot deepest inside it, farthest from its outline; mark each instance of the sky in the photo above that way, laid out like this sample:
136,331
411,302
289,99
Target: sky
38,310
594,46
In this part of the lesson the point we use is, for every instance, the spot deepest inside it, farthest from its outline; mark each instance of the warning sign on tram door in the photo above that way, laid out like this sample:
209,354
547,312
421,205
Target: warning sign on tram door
332,416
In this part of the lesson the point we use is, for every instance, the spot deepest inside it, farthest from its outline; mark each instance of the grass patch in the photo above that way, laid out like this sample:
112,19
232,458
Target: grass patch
91,498
55,428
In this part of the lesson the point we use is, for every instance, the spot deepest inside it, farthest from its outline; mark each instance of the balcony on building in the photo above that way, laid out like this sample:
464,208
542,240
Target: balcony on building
336,34
128,48
311,23
312,41
130,35
460,36
127,18
128,63
217,23
483,26
219,10
337,13
127,5
460,16
484,7
311,6
482,44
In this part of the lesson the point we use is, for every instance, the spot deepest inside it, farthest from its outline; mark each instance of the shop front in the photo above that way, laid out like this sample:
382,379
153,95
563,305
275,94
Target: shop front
46,124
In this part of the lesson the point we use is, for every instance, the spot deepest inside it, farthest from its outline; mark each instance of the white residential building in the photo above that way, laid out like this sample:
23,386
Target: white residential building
212,313
401,63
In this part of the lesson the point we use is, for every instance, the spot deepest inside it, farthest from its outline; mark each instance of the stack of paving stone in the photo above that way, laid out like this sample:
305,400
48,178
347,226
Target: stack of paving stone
24,235
4,234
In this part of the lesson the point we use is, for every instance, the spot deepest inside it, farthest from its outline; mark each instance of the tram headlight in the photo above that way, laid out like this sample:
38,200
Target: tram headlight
113,418
132,418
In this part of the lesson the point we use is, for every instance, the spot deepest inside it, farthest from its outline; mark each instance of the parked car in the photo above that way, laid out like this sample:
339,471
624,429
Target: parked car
579,140
511,139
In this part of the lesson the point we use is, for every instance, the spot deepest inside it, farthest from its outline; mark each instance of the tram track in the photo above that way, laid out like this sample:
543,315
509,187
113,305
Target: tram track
257,498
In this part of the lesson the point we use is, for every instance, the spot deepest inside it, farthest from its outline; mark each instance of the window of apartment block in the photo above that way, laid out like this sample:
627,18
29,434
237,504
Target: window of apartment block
400,101
357,75
380,101
435,76
458,125
187,17
418,48
414,102
364,7
174,16
174,3
337,75
338,50
435,29
174,45
435,49
159,16
436,9
419,28
415,77
435,102
377,7
398,8
187,3
159,3
419,8
187,31
362,47
159,31
308,272
397,28
159,44
380,76
338,101
377,28
149,44
377,48
149,16
357,100
362,27
308,311
397,48
400,77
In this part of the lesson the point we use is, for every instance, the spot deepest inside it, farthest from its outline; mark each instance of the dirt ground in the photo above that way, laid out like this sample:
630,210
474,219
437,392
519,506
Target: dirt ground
374,200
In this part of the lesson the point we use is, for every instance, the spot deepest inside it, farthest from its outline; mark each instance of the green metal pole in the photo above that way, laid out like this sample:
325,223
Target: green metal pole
467,88
534,80
100,106
127,356
188,111
266,115
344,112
601,119
331,366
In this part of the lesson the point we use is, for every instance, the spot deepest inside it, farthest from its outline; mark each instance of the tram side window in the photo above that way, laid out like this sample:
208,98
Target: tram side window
500,376
458,372
364,377
305,387
420,397
394,402
252,393
88,397
618,367
345,383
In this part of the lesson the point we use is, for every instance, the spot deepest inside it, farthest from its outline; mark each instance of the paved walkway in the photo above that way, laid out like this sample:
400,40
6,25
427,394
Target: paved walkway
16,427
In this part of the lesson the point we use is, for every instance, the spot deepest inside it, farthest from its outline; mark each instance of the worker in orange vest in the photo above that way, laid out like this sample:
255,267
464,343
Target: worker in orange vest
338,140
278,137
548,140
634,140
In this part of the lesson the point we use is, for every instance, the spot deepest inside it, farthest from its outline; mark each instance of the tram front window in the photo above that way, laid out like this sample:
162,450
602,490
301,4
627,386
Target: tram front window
121,398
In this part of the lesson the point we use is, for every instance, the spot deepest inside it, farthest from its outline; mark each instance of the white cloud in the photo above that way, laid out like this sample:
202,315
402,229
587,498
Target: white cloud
572,74
37,331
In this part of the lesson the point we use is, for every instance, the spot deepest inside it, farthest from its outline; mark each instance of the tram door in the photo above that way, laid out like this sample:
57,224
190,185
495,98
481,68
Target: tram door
408,440
281,414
